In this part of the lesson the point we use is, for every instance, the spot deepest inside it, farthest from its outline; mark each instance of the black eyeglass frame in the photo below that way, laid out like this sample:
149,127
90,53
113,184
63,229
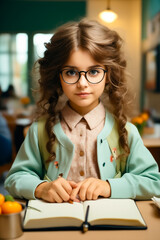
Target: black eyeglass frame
85,74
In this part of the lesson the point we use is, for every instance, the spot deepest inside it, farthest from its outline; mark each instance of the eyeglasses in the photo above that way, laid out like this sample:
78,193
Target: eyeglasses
93,76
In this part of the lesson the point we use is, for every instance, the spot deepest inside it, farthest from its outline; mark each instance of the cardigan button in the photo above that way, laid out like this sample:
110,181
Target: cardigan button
104,164
81,153
101,141
81,173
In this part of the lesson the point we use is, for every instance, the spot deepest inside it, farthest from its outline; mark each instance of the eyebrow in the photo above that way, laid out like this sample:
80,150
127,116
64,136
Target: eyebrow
93,66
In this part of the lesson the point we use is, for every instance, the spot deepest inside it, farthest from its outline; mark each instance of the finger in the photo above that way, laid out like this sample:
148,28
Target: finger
75,192
76,200
52,196
68,186
90,191
83,190
63,193
73,184
96,193
58,186
57,198
65,184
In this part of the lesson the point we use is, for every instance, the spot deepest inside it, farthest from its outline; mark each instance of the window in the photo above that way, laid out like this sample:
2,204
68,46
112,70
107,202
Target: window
13,62
38,40
14,59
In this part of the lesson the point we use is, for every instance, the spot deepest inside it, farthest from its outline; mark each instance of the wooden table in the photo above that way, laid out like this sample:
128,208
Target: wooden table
149,211
152,142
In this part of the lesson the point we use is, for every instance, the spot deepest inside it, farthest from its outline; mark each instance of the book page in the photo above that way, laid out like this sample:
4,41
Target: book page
53,214
114,212
156,201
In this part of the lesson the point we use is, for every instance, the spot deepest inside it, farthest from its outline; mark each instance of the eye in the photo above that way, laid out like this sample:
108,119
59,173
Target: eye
70,72
93,72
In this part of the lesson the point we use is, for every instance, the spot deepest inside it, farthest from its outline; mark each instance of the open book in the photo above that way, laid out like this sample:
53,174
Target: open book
156,201
102,214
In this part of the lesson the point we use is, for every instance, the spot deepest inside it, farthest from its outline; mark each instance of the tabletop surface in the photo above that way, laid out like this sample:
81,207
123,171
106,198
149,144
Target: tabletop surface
149,211
152,140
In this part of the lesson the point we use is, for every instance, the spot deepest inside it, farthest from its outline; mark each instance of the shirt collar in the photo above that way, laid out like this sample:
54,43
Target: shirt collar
93,118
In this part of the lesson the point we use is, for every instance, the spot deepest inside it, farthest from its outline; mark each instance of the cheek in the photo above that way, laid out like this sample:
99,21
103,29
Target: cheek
63,87
106,78
67,89
101,87
63,84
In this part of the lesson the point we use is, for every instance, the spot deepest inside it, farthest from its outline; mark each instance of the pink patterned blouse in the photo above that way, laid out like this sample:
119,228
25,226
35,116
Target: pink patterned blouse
83,132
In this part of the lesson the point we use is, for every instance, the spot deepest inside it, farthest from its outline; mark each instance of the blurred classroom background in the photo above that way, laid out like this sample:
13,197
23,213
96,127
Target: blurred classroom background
25,25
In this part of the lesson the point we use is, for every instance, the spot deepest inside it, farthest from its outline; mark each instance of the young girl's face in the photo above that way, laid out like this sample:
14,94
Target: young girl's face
83,96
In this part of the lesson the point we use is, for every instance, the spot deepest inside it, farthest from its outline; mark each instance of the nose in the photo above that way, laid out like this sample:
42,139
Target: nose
82,81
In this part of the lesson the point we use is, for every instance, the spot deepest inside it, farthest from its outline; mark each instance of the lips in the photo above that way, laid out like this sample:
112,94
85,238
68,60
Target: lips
83,94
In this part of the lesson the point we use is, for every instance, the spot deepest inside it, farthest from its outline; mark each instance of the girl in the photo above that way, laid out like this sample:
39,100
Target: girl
83,151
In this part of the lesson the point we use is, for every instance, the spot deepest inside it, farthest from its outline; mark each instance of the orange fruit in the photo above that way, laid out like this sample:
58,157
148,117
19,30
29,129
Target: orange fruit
145,116
0,210
11,207
2,199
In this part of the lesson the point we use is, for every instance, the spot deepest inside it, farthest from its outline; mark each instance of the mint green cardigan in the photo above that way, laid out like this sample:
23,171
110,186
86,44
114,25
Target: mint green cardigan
140,179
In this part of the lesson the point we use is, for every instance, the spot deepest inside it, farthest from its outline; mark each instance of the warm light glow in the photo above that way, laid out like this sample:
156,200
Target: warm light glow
108,16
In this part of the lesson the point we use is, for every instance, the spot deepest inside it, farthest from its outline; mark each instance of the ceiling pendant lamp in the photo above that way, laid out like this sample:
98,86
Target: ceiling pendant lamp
108,15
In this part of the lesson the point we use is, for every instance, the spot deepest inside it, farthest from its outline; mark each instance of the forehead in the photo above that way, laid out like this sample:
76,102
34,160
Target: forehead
81,59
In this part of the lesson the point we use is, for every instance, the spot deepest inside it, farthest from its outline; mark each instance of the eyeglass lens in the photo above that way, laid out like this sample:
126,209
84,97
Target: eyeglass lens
93,75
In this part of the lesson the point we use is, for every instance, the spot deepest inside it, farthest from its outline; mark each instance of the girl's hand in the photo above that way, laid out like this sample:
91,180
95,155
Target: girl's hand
90,189
55,191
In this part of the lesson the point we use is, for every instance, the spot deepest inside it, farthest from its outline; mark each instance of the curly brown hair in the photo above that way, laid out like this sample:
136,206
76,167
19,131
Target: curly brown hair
105,46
